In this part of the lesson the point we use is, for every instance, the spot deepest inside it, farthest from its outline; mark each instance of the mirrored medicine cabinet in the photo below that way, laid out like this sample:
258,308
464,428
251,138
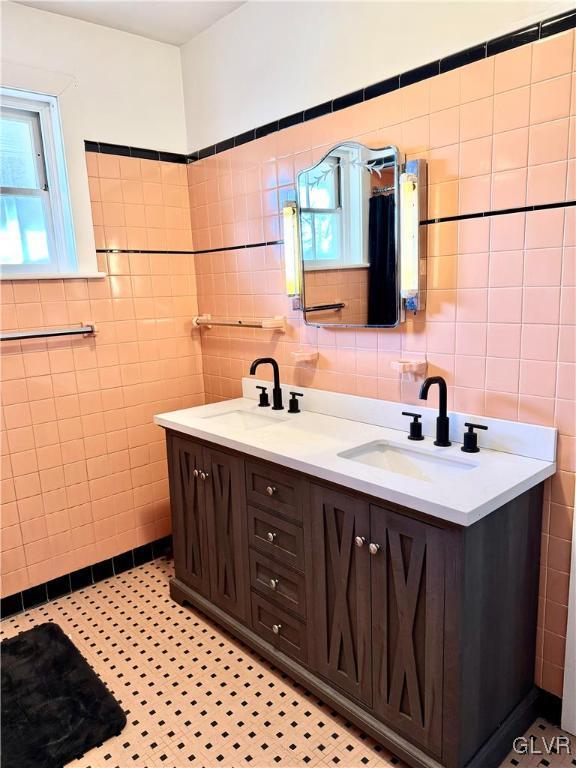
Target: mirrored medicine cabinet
354,247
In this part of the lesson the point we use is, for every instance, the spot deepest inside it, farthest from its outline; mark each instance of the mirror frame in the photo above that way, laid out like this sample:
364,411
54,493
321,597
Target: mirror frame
396,162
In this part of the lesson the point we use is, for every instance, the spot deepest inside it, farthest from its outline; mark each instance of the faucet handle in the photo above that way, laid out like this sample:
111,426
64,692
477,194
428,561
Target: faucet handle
415,426
264,401
293,405
471,438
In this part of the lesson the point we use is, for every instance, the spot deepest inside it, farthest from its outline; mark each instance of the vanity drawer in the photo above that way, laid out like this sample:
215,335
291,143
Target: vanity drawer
278,539
278,584
274,489
279,628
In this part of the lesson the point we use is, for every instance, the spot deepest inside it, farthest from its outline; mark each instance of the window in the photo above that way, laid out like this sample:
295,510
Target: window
332,221
36,231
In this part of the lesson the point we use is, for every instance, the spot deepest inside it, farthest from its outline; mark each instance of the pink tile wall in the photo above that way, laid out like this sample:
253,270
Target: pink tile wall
83,467
334,286
500,317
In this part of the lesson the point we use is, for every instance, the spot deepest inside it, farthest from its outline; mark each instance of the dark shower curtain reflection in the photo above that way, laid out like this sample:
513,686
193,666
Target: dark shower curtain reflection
382,291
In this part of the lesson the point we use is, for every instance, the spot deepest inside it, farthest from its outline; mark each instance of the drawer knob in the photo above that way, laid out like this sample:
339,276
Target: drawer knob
276,628
270,490
359,541
271,536
374,548
195,472
273,583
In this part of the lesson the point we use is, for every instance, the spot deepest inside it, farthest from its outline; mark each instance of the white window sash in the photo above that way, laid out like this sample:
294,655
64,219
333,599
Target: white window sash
52,175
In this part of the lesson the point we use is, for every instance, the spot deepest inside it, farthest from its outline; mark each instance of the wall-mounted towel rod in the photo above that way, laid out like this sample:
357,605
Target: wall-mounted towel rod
84,330
383,190
322,307
268,323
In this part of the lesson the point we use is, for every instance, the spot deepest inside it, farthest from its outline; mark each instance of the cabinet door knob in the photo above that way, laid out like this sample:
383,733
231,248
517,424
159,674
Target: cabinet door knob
270,490
195,472
204,475
359,541
276,628
273,583
271,536
374,548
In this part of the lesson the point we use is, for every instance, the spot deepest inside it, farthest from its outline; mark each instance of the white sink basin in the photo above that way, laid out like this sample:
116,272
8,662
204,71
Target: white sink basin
243,419
415,464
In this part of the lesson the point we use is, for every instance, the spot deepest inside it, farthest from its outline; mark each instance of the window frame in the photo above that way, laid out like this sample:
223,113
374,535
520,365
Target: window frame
43,110
352,221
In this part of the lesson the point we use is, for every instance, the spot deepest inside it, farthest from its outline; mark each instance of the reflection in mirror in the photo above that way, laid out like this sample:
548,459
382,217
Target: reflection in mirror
348,210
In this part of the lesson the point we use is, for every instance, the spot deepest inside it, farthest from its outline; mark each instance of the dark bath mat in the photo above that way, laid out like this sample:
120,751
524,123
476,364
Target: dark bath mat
54,706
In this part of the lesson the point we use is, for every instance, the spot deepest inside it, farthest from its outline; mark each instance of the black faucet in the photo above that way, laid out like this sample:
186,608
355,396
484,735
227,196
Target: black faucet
276,392
442,422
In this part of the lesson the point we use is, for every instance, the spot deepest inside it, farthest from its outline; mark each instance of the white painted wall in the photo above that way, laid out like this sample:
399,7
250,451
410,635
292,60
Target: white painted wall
269,59
111,87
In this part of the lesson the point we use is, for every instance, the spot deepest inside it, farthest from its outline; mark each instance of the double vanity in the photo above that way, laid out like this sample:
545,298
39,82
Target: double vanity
395,579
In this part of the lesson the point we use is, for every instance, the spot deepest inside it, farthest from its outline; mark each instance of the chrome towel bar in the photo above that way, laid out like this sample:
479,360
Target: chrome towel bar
84,330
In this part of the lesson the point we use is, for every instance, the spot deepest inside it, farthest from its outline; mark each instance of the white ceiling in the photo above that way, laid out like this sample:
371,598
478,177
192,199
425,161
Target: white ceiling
168,21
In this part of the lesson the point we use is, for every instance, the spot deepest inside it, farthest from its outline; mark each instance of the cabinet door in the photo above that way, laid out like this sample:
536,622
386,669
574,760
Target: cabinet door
227,535
407,625
340,591
185,457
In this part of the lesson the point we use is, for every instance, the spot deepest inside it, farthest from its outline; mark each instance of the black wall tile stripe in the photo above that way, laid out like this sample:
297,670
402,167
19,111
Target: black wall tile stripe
425,222
419,74
348,101
537,31
514,40
558,24
483,50
500,212
462,58
92,574
143,154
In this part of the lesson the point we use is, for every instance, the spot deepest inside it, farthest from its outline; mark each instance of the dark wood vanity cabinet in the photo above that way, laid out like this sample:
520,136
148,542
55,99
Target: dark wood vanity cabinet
419,631
378,606
209,523
340,591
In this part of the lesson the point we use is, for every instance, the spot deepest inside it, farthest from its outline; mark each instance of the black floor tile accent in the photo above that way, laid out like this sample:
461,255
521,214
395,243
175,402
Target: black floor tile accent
84,577
123,562
58,587
143,554
102,570
34,596
81,578
11,605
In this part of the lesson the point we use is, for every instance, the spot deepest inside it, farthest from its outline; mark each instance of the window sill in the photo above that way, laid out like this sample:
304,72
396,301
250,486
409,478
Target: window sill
57,276
340,267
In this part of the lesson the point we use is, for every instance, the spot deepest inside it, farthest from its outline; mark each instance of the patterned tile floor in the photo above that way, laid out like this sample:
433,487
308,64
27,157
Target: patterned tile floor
196,697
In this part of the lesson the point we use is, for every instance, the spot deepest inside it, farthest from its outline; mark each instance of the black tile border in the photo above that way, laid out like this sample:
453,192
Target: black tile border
143,154
550,707
424,223
499,212
84,577
537,31
460,59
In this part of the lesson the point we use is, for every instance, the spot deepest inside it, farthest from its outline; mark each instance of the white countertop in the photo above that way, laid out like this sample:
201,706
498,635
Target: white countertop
461,493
